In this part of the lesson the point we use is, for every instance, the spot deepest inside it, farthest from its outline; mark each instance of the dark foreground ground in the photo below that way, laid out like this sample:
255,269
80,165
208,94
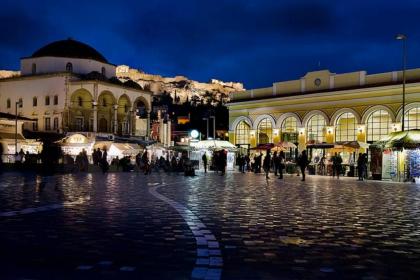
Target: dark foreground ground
129,226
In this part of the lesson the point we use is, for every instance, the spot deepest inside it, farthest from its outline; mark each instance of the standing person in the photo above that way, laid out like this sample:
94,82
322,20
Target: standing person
276,163
146,163
282,163
337,161
204,158
365,166
322,165
303,163
267,164
104,162
247,160
360,167
223,161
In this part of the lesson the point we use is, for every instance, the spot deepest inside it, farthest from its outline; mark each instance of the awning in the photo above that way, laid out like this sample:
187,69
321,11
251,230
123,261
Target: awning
402,139
6,135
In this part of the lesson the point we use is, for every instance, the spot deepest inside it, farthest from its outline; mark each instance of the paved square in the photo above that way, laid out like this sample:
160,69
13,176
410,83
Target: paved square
166,226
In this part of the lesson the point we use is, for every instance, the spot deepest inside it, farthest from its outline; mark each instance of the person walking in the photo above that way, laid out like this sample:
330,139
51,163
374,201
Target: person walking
282,163
360,167
267,164
204,159
337,161
104,161
303,163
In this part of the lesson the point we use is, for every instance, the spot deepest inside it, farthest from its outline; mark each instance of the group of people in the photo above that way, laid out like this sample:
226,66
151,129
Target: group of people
219,161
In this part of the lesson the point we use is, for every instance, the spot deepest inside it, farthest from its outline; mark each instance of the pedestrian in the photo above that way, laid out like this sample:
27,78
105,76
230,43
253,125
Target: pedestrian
223,161
276,163
282,164
247,161
337,161
365,165
360,167
146,163
104,161
204,159
267,164
322,165
303,163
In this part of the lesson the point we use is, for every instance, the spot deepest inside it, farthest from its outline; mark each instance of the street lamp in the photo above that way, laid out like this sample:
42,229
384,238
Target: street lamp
16,118
403,38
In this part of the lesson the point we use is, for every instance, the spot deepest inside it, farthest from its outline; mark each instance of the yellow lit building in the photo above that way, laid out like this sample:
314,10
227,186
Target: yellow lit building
324,107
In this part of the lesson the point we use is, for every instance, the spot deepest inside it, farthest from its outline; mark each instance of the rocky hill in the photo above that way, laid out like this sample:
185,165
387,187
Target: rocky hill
180,87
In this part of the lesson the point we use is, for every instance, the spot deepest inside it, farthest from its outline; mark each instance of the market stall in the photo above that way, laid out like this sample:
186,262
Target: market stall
210,146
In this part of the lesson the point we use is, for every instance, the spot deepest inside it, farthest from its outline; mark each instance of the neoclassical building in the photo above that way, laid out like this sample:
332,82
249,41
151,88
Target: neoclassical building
68,86
324,107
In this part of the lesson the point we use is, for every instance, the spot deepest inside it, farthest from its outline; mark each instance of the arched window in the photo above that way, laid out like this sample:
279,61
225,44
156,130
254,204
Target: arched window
103,71
69,67
8,103
33,68
242,133
80,101
346,127
47,100
412,119
316,129
34,101
55,99
378,125
265,131
289,131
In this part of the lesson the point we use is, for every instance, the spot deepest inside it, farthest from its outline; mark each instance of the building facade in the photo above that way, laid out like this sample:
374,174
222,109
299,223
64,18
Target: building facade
68,86
324,107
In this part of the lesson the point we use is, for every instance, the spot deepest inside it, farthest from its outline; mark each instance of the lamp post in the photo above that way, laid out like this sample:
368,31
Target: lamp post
207,133
16,118
403,38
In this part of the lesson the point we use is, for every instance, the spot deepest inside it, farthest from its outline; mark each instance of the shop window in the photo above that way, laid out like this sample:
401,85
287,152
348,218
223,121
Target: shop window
242,133
265,131
55,99
315,129
346,128
378,125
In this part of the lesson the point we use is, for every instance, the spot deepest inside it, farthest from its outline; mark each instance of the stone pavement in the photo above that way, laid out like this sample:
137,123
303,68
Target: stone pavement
131,226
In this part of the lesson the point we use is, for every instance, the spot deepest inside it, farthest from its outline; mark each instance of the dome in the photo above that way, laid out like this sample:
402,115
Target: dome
70,48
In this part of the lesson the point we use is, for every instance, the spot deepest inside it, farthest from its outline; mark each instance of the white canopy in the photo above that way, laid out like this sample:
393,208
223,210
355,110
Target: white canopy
213,144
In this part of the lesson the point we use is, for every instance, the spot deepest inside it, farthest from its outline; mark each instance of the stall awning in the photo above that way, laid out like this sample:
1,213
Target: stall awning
402,139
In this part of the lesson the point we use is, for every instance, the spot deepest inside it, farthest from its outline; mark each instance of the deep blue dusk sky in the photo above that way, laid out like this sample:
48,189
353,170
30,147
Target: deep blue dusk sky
256,42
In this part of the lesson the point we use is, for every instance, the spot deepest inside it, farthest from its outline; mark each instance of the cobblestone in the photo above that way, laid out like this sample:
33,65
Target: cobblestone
240,226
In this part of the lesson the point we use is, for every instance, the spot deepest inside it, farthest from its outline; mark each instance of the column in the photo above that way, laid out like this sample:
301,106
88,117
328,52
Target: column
95,116
148,125
115,119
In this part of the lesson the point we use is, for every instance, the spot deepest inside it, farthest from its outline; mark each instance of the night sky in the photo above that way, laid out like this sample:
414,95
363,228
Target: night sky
256,42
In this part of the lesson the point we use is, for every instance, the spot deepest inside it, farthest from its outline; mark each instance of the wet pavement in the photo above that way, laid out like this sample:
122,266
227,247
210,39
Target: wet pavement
131,226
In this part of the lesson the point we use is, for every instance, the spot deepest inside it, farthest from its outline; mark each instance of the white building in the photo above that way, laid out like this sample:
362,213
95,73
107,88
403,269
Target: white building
70,87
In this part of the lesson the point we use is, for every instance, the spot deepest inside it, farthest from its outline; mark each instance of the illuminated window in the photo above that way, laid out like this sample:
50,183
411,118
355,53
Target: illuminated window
378,125
47,100
265,131
412,119
289,130
242,133
316,129
69,67
346,128
8,103
34,102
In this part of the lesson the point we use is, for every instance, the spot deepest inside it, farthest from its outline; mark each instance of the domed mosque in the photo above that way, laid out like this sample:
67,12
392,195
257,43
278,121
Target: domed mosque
69,87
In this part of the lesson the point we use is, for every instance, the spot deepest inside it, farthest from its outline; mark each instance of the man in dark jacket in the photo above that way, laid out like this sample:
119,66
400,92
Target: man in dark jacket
303,163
